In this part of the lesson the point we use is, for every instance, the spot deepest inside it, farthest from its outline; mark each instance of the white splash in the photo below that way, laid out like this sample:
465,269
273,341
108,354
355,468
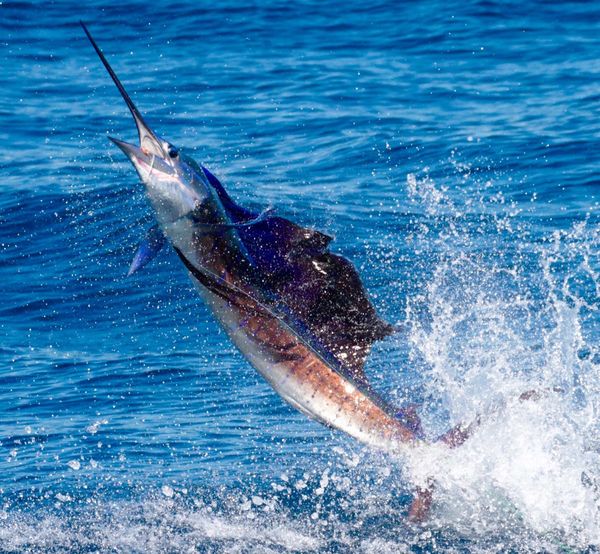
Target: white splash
495,329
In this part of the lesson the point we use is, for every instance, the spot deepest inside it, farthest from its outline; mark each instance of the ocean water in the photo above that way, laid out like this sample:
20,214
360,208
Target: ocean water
451,148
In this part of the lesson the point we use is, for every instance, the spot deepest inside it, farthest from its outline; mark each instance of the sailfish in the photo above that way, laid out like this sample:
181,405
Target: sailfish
297,311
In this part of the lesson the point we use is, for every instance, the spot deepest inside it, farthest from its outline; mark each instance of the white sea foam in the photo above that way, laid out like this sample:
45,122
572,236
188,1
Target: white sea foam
494,328
153,526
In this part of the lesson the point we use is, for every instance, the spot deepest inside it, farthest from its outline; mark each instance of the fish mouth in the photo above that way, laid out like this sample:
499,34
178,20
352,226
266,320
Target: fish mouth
133,152
150,144
146,163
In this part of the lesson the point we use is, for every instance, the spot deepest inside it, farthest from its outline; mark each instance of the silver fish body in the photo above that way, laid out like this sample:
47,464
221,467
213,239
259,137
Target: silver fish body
275,289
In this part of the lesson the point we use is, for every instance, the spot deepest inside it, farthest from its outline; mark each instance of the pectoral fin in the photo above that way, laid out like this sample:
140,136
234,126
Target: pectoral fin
148,249
222,227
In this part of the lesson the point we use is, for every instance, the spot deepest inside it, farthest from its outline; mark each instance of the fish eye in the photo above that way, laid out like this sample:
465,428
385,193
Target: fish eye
172,151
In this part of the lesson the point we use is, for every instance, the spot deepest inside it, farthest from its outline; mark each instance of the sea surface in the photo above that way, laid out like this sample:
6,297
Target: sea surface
451,148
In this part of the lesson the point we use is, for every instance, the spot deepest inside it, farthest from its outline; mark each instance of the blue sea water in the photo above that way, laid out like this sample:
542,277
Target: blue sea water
451,148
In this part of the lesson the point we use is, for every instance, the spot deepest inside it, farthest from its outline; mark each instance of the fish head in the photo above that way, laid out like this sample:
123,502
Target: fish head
174,185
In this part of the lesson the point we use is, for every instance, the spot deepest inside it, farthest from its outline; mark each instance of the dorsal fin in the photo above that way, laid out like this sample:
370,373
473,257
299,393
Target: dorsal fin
322,289
235,211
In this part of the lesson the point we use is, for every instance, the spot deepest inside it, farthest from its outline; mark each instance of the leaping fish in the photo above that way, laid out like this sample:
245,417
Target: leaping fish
296,311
